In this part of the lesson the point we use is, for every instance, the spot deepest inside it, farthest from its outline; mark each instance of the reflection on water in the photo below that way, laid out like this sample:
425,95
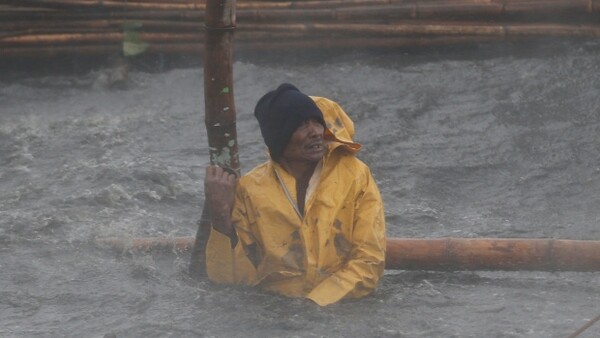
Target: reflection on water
484,142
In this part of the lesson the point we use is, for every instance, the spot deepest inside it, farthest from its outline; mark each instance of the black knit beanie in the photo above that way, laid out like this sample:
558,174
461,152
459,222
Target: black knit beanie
280,112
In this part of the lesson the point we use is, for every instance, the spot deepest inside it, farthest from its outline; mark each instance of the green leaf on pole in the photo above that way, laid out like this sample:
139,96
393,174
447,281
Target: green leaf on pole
132,42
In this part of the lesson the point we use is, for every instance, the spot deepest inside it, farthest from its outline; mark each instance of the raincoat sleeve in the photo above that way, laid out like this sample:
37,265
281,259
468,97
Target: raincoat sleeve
361,273
227,264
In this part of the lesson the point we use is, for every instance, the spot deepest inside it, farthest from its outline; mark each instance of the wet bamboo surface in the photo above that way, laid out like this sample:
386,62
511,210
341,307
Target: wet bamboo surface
442,254
42,28
220,113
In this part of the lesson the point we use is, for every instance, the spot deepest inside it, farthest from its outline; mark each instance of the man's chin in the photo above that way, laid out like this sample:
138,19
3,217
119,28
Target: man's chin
315,157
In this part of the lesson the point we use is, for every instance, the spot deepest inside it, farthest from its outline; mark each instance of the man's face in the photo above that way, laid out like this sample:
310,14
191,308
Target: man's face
306,143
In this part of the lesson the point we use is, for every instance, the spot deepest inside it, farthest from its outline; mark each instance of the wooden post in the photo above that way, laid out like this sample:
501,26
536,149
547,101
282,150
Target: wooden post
219,108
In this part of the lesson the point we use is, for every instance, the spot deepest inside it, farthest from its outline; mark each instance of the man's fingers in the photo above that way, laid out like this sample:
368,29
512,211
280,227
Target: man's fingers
227,175
216,173
211,170
230,171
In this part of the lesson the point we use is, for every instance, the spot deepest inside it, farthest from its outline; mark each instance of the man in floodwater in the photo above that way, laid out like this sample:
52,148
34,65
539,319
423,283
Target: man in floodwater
307,223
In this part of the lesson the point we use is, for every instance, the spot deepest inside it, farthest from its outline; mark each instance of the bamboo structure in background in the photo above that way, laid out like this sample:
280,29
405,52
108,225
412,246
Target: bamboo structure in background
442,254
41,28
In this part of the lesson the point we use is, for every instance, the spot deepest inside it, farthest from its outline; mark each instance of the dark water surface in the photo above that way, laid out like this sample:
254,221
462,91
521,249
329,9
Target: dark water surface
492,141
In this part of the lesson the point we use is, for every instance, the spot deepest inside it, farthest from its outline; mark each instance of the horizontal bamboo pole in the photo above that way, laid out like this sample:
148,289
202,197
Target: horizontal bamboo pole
97,15
407,28
171,1
194,5
249,32
559,10
64,38
90,23
413,28
529,6
496,254
133,6
158,19
303,10
108,5
443,254
507,4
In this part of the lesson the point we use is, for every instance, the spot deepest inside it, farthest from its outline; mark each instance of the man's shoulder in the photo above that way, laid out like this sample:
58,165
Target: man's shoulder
259,173
350,162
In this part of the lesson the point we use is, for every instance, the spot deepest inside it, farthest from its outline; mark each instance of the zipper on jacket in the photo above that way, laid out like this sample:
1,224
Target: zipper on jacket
289,197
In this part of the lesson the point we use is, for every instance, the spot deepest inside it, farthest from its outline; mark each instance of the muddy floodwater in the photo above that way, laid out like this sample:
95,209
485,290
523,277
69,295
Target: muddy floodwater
492,140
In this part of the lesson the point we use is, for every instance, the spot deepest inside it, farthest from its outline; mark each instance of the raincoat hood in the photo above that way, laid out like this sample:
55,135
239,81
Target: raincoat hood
339,129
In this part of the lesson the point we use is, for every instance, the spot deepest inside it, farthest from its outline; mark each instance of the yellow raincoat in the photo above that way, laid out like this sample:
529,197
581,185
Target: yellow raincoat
335,250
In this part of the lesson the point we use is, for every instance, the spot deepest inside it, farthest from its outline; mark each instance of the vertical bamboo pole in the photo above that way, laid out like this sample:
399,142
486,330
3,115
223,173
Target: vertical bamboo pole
219,108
